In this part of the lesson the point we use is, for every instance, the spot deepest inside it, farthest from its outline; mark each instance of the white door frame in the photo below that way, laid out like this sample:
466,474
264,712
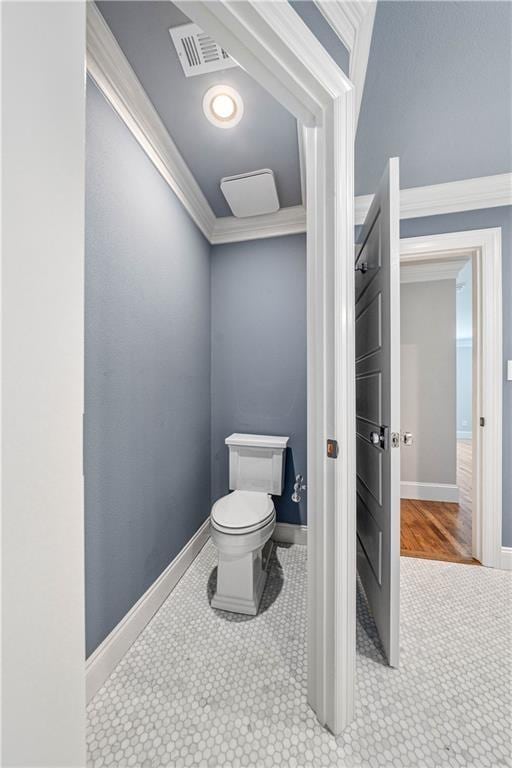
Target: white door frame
275,46
483,246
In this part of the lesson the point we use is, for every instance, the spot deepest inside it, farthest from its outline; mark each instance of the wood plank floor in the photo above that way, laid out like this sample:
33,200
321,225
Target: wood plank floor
436,530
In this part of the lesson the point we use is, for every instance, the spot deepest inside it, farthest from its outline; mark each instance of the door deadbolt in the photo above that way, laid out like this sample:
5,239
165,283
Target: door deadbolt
407,438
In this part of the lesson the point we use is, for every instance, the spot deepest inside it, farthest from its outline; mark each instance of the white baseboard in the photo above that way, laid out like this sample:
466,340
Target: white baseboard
506,558
464,435
102,662
429,491
287,533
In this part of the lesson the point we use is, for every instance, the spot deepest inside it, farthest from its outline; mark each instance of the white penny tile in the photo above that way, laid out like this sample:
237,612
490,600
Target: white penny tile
204,688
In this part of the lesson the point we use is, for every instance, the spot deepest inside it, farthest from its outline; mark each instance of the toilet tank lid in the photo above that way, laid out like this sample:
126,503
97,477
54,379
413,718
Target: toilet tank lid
257,441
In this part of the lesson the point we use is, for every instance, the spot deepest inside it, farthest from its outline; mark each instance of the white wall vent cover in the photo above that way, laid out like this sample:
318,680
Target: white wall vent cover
198,52
251,194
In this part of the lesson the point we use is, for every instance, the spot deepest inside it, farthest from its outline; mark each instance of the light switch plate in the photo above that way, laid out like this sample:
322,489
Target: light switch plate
509,370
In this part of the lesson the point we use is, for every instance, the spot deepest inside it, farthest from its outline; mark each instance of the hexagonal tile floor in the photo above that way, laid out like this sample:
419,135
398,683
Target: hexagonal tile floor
203,688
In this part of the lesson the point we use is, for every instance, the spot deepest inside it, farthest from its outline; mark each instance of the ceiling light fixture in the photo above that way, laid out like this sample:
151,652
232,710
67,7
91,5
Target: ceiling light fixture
223,106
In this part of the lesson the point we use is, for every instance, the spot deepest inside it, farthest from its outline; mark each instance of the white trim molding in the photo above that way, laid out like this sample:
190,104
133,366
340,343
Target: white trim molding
288,533
410,489
287,221
451,197
353,23
426,271
484,248
506,558
102,662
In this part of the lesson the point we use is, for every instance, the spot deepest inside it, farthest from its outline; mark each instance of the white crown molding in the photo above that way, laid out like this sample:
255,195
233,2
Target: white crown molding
109,68
353,23
102,662
287,221
426,271
451,197
416,202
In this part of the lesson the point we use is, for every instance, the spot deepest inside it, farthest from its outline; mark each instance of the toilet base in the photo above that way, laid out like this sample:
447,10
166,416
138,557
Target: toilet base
240,582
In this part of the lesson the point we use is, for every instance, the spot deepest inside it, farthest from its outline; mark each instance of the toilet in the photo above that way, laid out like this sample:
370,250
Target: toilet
243,521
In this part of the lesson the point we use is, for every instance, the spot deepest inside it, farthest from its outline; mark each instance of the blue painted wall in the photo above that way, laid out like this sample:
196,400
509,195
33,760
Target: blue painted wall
259,353
437,93
147,372
455,222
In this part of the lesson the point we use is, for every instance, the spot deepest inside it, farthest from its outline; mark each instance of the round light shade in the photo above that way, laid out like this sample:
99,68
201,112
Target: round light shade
223,106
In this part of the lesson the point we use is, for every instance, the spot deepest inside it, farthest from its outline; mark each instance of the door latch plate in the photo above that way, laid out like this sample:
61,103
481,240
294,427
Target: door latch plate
395,439
380,439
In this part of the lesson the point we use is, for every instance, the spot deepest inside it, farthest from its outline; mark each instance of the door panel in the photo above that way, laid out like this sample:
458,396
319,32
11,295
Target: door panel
369,328
369,475
368,396
377,288
370,538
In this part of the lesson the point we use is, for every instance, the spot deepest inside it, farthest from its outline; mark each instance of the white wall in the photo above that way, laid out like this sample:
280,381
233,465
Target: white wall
43,100
464,351
428,384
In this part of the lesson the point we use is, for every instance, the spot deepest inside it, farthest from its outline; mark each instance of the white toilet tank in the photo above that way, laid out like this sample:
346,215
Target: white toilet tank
256,463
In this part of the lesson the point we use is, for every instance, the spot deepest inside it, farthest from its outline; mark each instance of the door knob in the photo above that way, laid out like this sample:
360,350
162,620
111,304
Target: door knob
407,438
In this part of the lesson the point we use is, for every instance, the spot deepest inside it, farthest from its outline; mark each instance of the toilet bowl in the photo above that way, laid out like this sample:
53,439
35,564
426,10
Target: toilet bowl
243,521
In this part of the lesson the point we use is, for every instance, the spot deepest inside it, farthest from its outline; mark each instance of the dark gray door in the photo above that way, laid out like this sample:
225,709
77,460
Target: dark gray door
378,409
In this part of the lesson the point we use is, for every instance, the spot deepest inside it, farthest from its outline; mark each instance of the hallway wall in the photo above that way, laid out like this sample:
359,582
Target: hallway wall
147,372
428,382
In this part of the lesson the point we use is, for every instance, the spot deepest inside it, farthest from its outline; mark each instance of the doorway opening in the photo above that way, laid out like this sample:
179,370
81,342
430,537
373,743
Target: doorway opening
437,373
450,393
277,50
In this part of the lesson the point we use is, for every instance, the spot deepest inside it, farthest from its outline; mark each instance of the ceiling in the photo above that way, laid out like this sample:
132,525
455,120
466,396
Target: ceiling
265,138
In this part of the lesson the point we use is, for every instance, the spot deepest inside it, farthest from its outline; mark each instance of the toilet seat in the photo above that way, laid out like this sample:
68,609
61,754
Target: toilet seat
242,512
